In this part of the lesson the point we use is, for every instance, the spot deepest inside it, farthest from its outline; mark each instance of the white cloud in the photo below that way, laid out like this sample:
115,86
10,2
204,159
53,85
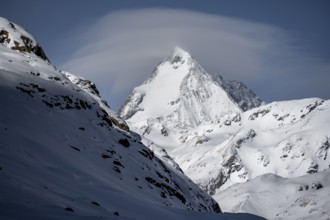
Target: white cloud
121,49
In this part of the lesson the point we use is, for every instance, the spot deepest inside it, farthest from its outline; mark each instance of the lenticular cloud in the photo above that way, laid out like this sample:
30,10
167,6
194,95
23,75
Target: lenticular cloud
120,50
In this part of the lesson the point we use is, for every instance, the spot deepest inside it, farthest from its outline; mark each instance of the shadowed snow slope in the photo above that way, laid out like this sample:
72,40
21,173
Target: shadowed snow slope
192,117
64,154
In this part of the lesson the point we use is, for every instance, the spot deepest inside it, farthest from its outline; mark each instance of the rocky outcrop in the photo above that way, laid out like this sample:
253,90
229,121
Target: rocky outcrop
16,38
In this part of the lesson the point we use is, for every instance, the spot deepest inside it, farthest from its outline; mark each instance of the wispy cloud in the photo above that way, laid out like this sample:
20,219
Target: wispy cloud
120,50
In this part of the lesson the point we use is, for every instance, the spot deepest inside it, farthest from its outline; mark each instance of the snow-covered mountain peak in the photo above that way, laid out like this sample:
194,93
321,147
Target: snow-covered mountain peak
17,38
180,93
179,53
177,64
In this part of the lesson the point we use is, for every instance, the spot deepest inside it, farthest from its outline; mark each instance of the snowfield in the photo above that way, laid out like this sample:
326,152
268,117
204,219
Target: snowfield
305,197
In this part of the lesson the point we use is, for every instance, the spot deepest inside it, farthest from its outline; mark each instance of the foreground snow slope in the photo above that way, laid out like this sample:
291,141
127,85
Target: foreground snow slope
64,154
214,141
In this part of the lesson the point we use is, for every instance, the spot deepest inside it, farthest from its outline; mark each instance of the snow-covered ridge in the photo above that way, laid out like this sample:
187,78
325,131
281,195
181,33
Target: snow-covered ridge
284,138
17,38
91,89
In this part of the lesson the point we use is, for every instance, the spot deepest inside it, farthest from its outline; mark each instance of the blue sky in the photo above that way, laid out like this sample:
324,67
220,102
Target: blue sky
280,49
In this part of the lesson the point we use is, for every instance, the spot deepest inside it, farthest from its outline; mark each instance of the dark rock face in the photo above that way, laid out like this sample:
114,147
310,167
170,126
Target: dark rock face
313,168
4,36
28,47
124,142
37,50
122,126
168,189
242,95
311,107
52,101
259,113
313,186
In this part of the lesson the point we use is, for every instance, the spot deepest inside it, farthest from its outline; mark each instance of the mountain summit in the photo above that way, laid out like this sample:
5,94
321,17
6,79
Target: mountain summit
180,93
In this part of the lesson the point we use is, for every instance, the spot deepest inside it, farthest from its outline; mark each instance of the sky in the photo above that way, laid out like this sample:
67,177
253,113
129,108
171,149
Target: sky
279,49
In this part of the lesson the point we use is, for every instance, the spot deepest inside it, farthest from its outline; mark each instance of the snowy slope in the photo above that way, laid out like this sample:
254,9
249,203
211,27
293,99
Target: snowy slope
64,154
218,144
305,197
288,138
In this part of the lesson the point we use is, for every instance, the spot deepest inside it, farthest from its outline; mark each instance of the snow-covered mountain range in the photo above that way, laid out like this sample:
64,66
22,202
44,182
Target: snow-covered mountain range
226,140
64,154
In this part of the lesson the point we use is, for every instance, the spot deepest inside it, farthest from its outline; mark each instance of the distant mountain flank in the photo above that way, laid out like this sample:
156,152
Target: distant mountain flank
224,137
